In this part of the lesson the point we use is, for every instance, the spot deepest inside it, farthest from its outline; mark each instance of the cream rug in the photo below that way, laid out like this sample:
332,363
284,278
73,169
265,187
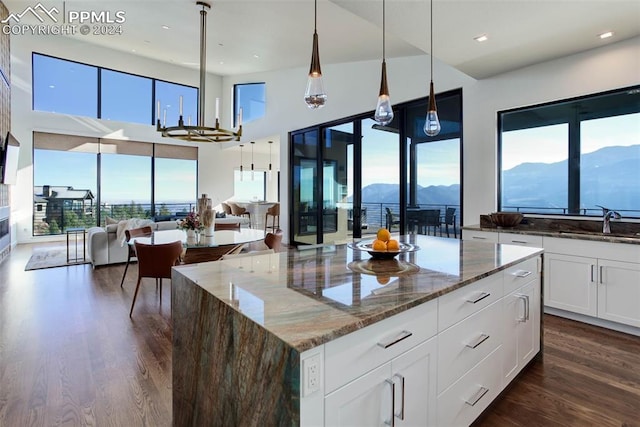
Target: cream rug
50,257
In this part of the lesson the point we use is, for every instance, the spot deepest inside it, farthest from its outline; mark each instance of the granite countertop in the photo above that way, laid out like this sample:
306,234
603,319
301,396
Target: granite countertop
310,297
629,238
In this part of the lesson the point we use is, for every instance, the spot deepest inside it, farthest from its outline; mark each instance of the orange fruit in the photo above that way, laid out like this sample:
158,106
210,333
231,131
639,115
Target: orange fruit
393,245
379,245
383,234
383,280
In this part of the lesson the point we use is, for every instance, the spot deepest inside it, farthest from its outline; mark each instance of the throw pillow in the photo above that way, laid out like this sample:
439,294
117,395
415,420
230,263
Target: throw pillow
221,215
110,220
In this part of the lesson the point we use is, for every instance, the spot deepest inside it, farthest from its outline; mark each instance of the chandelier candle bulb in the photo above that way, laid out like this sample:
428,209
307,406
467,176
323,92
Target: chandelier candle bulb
158,111
240,117
164,118
181,105
217,108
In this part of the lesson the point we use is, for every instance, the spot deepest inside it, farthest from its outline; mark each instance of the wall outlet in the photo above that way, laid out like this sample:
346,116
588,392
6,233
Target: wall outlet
311,375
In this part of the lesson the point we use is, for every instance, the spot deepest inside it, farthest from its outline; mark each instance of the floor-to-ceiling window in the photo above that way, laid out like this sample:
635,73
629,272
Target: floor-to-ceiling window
80,181
372,174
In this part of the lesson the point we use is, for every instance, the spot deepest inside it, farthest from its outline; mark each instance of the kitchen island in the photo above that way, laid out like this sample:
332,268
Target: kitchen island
326,336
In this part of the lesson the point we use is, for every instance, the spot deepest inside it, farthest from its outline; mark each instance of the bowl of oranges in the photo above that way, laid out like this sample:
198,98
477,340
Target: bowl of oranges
383,246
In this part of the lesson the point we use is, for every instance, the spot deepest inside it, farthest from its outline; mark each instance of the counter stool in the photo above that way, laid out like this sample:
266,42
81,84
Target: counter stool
274,213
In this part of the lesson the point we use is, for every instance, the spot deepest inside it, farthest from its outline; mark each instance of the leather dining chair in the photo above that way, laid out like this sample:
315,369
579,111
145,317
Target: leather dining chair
240,211
274,240
155,261
129,234
274,213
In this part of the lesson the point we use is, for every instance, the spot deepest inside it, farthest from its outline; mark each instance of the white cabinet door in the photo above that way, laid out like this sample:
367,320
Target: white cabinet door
409,379
364,402
521,336
415,404
570,283
619,292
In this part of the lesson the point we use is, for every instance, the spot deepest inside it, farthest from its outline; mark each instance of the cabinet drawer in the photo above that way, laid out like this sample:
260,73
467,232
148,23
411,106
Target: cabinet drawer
481,236
461,403
465,344
521,239
352,355
463,302
520,274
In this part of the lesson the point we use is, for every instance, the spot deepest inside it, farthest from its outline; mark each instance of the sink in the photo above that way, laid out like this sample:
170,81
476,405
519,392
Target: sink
601,234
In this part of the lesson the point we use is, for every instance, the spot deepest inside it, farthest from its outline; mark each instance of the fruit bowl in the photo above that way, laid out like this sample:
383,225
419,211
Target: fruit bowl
366,246
506,219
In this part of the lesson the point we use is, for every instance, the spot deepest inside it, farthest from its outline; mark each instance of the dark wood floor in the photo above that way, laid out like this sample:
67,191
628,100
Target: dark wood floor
70,356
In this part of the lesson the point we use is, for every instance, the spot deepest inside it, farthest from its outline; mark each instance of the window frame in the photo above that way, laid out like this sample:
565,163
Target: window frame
236,106
573,139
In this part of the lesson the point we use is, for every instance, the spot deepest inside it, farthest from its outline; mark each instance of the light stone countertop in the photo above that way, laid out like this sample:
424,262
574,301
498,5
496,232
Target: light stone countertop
307,298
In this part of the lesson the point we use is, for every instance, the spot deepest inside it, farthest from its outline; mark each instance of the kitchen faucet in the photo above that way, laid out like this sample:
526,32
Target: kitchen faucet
607,214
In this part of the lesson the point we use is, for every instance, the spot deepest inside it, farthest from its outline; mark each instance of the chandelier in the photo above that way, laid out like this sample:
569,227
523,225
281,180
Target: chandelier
199,132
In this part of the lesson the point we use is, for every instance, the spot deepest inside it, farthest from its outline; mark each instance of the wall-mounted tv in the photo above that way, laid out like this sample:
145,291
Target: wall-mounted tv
9,159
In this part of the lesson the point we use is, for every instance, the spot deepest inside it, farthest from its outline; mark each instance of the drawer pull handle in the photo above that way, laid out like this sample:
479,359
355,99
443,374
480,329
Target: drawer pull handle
392,421
482,338
600,276
477,396
520,241
521,273
482,296
402,336
401,414
479,238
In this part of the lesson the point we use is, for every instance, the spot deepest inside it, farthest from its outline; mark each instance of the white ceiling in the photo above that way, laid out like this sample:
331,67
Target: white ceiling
279,32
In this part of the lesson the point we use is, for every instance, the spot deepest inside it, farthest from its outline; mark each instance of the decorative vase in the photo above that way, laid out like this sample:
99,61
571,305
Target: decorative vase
204,203
209,230
191,237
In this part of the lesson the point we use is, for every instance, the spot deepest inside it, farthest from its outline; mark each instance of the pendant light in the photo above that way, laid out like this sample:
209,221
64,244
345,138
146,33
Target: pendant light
431,122
252,144
384,113
270,173
315,96
241,172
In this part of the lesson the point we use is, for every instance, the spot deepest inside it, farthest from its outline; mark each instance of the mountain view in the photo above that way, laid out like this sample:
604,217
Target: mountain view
610,177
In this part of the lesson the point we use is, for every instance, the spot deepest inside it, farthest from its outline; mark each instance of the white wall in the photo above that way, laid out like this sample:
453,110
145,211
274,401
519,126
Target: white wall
352,89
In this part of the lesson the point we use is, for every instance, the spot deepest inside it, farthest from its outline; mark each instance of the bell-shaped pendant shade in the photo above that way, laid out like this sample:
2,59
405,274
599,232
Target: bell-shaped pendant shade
432,123
315,96
384,113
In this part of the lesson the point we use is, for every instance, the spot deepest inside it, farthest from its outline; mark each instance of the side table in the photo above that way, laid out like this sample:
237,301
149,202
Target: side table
76,233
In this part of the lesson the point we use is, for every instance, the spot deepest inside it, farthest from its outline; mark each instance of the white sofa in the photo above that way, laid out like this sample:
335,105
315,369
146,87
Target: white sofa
104,247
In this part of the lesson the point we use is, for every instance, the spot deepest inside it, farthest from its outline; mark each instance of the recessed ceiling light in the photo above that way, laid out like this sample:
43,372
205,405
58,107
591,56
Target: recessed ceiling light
255,55
52,87
165,27
221,62
482,38
220,44
606,35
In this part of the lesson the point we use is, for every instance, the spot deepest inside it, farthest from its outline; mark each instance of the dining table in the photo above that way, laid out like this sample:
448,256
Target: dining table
216,244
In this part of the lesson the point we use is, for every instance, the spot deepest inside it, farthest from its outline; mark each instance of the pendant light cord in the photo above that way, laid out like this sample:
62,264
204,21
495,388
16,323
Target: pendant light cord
383,31
431,37
315,16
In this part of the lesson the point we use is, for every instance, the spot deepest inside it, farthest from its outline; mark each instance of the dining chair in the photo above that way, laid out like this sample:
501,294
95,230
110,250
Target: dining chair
155,261
274,240
129,234
274,213
392,219
431,219
227,226
240,211
206,254
450,219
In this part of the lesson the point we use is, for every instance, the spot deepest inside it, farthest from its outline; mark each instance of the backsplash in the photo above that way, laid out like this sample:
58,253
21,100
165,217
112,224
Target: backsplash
566,225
